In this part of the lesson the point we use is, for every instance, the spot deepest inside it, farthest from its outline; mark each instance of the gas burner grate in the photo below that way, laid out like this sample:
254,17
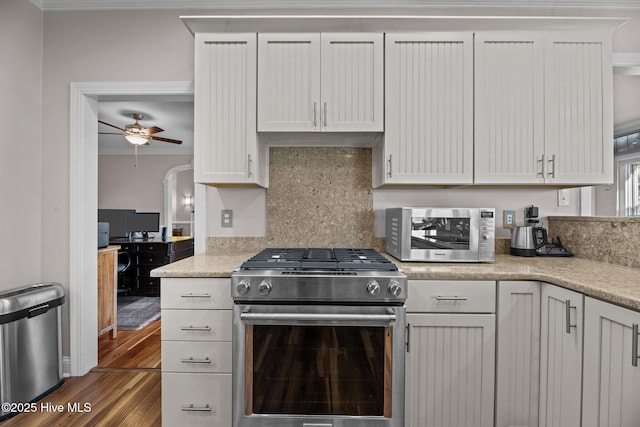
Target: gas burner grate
319,259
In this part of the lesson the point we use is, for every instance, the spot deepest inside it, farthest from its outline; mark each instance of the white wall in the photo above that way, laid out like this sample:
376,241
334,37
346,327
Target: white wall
20,143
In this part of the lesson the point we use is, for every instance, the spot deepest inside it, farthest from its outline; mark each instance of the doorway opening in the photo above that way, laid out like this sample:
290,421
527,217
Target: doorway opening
83,299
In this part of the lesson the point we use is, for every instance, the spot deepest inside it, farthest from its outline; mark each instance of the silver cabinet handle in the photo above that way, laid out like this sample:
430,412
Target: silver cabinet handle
325,114
193,408
249,165
389,163
196,328
553,166
540,166
568,324
408,329
634,345
206,360
315,120
195,296
451,298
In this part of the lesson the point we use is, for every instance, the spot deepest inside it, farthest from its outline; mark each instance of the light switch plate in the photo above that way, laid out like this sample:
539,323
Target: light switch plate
563,197
227,218
508,219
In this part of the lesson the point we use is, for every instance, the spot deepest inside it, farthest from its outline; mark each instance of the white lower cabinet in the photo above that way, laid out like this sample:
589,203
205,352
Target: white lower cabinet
518,354
196,399
196,351
561,357
450,359
611,383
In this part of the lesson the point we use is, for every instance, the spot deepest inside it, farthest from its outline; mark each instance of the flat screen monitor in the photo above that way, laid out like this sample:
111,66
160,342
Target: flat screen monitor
142,222
117,219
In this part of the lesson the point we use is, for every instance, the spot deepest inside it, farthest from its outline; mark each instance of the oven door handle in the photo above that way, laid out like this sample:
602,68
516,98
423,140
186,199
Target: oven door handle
390,317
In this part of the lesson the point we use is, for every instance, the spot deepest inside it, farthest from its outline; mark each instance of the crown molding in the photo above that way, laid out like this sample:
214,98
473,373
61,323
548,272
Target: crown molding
72,5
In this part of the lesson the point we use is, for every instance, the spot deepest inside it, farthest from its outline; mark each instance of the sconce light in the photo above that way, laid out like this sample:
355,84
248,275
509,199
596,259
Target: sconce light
188,201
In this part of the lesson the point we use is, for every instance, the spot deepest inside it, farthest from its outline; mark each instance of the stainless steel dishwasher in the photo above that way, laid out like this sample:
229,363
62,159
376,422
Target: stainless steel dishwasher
30,344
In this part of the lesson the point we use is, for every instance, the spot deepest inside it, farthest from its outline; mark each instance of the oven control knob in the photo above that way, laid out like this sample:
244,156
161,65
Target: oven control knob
264,287
243,287
394,288
373,287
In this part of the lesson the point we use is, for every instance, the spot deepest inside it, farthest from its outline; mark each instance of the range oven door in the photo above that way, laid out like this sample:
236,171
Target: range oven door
318,365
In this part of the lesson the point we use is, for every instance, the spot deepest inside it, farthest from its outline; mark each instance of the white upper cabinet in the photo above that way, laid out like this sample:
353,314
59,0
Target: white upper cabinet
225,145
320,82
428,110
509,110
543,108
578,109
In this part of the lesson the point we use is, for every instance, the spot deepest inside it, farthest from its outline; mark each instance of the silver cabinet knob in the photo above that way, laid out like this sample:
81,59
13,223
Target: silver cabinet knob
243,287
394,288
264,287
373,287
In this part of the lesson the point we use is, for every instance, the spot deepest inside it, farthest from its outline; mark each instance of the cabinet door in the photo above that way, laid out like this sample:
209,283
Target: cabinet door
509,113
561,357
611,381
352,82
578,109
225,146
289,82
428,108
518,364
450,368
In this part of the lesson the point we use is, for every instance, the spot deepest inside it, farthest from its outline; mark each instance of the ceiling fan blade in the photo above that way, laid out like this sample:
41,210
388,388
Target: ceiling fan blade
158,138
108,124
110,133
153,129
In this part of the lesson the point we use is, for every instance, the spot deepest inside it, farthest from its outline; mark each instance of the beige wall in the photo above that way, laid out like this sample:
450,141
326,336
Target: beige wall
123,186
20,143
95,47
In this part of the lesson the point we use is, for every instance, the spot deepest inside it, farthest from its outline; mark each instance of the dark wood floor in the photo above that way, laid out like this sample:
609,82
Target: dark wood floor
131,349
124,390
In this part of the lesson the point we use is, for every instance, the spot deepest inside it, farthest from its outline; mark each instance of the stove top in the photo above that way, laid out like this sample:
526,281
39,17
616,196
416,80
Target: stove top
308,275
319,259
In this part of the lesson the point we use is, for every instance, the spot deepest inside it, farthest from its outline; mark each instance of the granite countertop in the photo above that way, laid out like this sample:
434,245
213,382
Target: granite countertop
613,283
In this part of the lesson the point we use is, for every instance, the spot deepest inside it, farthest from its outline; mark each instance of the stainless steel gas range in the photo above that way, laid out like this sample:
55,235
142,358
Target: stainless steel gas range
318,339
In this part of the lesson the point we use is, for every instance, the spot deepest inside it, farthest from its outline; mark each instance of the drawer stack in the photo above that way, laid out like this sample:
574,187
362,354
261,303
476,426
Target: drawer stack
196,351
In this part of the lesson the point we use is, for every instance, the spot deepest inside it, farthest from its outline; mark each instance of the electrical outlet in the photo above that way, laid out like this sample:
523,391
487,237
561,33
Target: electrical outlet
508,219
563,197
227,218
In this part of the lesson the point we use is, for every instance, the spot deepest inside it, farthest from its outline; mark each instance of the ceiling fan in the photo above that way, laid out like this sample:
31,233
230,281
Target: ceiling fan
138,135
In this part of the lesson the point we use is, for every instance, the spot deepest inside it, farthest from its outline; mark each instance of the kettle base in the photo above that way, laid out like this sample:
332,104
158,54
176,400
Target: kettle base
523,252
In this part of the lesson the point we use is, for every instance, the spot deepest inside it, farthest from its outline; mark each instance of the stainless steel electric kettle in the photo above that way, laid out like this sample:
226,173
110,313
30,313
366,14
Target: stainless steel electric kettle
525,240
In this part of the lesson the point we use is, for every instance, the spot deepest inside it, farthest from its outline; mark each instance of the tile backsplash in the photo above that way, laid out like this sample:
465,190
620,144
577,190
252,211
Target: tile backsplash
615,240
317,197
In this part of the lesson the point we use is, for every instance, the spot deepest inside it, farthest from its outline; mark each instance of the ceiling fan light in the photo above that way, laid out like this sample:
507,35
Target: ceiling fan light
137,139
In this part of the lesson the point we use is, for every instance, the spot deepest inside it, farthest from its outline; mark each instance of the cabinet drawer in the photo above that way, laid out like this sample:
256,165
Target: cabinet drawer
459,296
198,293
196,325
196,399
152,259
158,248
186,356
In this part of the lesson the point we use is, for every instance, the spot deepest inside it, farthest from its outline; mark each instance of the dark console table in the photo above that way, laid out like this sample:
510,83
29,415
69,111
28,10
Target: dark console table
145,255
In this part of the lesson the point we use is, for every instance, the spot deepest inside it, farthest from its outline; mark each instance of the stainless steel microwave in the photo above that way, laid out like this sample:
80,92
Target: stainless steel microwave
441,234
